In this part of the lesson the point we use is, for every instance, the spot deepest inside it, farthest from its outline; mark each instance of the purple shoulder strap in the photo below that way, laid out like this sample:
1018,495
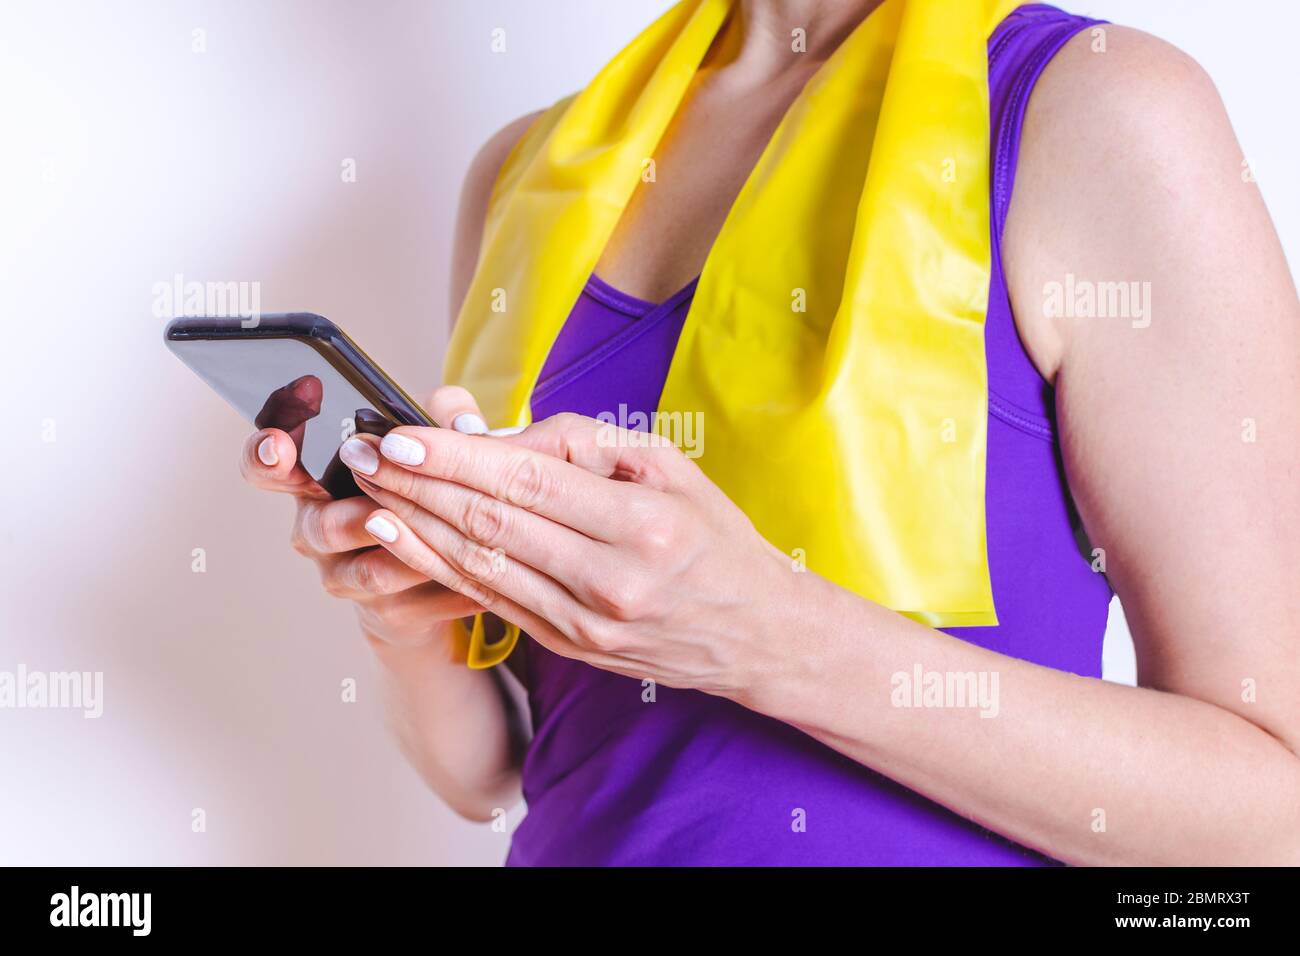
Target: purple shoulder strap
1019,49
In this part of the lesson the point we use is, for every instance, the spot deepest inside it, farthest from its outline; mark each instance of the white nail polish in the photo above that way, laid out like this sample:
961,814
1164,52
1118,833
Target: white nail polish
512,430
382,528
266,452
359,456
469,424
403,450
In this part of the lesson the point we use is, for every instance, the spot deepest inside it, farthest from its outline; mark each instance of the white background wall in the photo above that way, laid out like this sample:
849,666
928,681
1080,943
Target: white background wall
128,158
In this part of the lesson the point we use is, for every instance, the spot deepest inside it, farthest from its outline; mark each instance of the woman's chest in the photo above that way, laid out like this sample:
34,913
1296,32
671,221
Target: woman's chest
687,188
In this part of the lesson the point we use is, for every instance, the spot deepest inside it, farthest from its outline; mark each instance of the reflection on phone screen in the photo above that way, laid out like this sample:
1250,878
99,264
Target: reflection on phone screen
286,384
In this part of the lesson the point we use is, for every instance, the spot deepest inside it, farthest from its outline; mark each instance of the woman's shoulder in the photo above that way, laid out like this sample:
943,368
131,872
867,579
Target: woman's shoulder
475,196
491,156
1120,125
1114,71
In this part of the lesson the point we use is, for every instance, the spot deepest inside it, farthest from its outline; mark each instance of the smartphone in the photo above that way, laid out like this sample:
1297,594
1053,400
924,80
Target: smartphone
301,373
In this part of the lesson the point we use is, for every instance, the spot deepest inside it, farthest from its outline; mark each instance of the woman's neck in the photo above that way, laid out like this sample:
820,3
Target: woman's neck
759,43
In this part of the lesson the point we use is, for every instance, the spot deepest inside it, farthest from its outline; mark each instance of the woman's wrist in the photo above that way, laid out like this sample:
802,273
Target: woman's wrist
428,677
793,632
822,655
435,646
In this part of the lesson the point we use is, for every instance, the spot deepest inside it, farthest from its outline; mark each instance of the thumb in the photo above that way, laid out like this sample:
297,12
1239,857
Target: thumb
454,407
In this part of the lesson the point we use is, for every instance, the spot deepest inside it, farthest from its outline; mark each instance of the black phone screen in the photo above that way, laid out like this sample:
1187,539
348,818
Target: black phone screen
285,383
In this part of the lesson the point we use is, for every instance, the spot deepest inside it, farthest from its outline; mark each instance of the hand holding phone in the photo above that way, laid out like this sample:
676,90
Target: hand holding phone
307,387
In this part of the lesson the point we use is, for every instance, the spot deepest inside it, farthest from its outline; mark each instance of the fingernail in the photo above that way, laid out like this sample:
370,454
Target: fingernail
382,528
403,450
469,424
512,430
359,456
266,452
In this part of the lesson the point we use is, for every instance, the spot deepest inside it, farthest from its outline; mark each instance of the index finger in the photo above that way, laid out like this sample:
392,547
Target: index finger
530,480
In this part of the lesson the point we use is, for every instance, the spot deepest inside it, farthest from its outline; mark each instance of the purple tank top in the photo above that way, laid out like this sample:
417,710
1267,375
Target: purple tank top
694,779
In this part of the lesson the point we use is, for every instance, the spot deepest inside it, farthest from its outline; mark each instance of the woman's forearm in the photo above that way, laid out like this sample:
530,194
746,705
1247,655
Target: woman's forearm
1087,771
456,726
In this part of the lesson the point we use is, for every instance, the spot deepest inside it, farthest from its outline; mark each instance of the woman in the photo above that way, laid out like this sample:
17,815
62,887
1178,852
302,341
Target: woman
701,693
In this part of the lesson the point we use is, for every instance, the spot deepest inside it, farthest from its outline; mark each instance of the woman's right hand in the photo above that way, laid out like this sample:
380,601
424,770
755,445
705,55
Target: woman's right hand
395,604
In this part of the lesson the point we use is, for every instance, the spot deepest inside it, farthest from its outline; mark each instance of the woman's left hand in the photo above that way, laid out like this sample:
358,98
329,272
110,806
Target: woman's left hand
605,545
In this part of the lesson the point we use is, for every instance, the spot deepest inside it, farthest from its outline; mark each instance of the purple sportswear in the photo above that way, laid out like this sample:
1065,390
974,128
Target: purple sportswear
693,779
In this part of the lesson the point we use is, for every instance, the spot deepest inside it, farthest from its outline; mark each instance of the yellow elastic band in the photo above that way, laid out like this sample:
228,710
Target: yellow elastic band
481,654
834,348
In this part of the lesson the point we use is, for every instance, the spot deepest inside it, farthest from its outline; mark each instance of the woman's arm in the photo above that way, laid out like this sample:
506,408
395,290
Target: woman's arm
1181,436
450,720
1181,440
462,730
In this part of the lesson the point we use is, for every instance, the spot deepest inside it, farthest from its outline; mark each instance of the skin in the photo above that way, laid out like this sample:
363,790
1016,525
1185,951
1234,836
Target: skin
629,558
